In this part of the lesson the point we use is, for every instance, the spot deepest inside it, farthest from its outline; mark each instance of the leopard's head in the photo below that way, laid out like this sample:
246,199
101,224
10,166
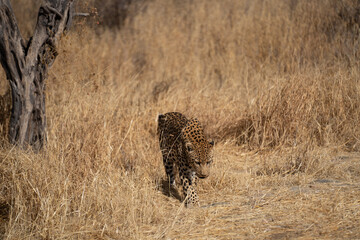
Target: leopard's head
198,150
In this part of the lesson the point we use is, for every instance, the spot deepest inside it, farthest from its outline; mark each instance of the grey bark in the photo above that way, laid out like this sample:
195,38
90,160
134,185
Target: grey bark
26,66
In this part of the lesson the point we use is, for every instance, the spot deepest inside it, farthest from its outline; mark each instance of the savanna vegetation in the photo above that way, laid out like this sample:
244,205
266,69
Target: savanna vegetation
275,84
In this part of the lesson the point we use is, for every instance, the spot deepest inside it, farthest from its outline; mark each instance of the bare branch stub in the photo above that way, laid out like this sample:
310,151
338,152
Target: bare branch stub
26,67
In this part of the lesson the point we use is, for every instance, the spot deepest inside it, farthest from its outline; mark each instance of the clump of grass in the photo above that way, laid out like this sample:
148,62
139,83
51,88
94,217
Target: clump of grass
309,92
319,109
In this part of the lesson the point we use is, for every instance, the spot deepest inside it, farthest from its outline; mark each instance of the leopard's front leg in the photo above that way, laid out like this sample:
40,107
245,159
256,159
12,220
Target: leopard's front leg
189,192
169,161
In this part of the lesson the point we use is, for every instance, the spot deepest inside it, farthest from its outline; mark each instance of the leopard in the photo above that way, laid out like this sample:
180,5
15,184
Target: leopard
186,153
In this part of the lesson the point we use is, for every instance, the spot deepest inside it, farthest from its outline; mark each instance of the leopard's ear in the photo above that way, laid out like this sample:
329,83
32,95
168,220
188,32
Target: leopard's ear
212,143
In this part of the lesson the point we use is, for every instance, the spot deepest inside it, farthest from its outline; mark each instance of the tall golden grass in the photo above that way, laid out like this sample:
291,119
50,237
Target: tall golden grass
275,83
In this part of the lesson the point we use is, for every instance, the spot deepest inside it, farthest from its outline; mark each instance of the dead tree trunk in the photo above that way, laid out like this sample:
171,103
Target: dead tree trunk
26,66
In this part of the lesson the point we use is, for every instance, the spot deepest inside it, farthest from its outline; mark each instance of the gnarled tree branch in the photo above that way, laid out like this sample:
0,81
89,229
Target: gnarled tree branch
26,67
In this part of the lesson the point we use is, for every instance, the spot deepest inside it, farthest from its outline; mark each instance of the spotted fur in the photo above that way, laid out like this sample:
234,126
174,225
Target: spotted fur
185,151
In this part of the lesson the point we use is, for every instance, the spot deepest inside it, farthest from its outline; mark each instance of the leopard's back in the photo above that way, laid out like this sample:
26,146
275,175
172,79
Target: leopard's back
169,129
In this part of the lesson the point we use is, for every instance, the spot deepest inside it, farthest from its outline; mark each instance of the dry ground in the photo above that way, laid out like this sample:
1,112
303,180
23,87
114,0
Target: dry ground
276,85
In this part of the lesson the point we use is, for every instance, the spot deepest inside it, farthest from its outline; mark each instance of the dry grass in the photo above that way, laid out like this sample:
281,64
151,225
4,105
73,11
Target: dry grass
275,83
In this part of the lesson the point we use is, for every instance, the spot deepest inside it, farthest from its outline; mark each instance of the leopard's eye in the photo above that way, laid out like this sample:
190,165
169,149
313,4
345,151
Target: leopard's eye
209,162
198,163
